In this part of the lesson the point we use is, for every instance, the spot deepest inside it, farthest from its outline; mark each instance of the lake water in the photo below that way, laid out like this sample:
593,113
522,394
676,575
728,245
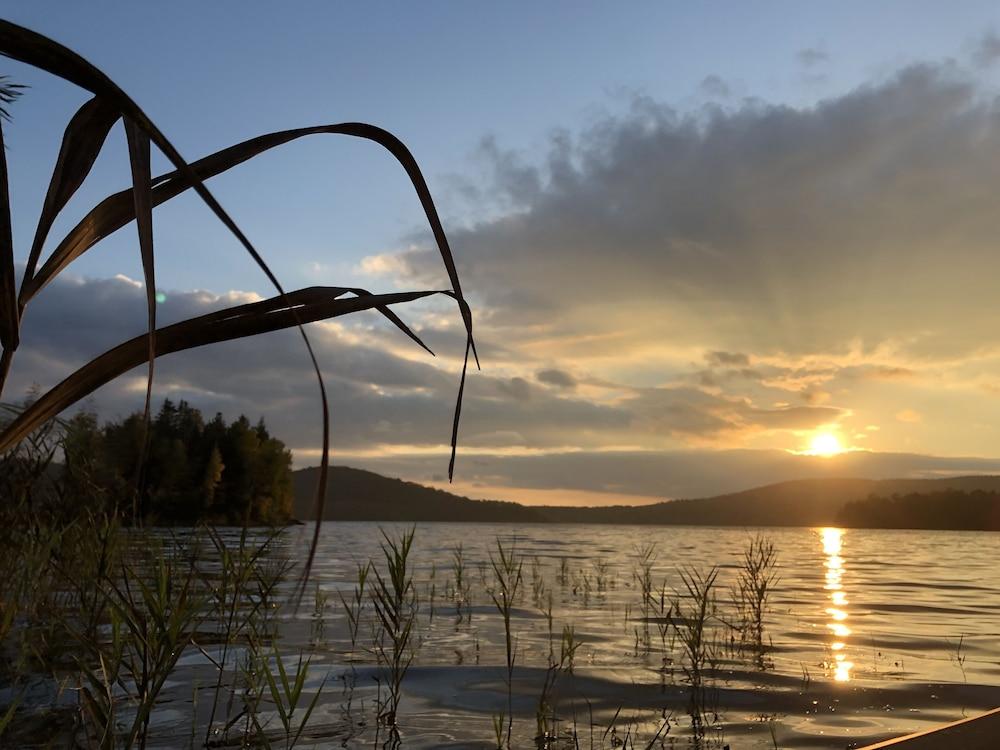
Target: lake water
872,634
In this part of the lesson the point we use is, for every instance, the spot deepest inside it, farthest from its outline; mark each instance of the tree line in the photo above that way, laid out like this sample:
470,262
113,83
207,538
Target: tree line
948,509
181,469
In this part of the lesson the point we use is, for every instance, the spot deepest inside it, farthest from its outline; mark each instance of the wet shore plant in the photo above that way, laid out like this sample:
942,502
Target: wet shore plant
507,566
696,609
395,603
756,580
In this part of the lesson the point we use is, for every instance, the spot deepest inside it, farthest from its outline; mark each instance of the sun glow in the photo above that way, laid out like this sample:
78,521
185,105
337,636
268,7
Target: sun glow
825,444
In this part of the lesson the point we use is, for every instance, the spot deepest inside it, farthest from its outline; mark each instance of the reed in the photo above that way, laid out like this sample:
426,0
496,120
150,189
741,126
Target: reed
757,577
642,576
286,694
394,601
463,586
354,608
83,141
507,567
695,609
545,711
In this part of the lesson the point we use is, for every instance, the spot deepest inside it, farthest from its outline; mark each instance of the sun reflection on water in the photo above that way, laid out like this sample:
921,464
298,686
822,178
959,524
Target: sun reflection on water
837,611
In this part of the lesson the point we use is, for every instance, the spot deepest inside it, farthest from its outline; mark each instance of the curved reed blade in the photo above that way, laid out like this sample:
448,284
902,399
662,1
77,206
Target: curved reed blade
8,295
82,141
138,151
458,413
41,52
142,183
286,311
34,49
116,211
31,48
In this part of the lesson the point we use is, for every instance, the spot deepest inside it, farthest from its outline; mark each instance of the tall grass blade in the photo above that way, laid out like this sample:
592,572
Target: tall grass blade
116,210
34,49
277,313
138,151
8,296
82,141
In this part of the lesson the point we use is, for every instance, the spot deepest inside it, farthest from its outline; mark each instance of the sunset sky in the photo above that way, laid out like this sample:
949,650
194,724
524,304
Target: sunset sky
700,250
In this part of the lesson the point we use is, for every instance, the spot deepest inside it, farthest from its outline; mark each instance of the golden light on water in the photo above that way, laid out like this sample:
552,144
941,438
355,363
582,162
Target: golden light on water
832,544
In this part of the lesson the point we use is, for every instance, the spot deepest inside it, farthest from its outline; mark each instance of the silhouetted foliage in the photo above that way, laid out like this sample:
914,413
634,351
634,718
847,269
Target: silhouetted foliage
194,471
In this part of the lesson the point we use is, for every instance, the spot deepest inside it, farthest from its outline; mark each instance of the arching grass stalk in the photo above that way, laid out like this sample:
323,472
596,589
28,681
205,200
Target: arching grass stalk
395,605
507,573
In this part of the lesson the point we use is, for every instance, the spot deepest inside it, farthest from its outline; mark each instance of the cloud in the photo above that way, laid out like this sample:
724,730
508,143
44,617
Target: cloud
728,277
762,228
910,416
705,417
728,359
714,87
986,49
557,378
811,57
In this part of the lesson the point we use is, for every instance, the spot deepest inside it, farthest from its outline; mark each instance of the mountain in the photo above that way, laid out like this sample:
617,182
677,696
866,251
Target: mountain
354,494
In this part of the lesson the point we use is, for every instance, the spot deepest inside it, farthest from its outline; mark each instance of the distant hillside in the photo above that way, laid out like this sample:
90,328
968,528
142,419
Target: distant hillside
946,509
359,495
802,502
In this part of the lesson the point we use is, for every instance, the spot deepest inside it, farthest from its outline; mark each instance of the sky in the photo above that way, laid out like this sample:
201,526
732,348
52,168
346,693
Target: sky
706,244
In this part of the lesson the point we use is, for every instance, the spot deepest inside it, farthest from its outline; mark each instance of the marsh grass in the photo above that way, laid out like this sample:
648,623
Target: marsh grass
285,690
463,586
354,607
507,567
642,576
756,579
394,600
109,612
696,609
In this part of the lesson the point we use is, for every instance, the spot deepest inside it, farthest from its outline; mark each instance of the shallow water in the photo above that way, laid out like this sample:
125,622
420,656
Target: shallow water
872,634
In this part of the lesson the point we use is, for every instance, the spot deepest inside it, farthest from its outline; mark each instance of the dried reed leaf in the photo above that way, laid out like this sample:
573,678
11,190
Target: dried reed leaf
277,313
138,151
8,295
34,49
82,141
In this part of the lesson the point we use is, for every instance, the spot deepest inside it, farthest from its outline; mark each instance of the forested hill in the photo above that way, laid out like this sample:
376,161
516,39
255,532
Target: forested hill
947,509
359,495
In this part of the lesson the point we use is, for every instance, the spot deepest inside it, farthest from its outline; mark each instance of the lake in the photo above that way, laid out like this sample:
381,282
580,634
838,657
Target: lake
868,634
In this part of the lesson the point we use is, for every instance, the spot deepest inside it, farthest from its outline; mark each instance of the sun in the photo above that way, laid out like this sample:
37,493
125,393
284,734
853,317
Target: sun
825,444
